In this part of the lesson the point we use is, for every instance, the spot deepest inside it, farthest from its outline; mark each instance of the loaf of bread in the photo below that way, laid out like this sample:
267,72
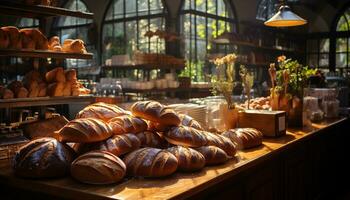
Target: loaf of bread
74,46
245,138
150,162
54,44
55,75
6,93
156,112
33,89
102,111
127,124
221,142
185,136
157,127
32,76
44,128
22,93
213,155
85,131
189,160
43,158
15,38
151,139
37,37
55,89
67,90
42,89
187,120
14,86
71,75
117,145
4,39
98,167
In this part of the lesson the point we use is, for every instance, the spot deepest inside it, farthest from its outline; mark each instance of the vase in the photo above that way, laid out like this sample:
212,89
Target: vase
229,117
293,106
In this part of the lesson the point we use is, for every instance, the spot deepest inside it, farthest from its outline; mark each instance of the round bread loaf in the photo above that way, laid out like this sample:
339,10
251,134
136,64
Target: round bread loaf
187,120
245,138
156,112
213,155
43,158
102,111
117,145
150,162
127,124
185,136
221,142
85,130
151,139
188,159
98,167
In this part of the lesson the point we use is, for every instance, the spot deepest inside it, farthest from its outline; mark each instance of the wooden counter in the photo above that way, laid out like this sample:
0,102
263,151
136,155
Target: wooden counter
253,173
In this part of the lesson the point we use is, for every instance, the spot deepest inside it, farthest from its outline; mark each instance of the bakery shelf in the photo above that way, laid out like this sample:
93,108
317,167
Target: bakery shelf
145,66
126,90
39,11
43,54
44,101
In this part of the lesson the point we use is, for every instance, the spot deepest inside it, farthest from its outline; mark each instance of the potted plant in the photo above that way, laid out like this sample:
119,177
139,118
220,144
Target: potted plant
185,77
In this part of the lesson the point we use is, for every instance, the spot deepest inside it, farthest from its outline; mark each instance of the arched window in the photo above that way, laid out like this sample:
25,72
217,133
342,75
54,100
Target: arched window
267,8
76,28
342,40
125,25
202,21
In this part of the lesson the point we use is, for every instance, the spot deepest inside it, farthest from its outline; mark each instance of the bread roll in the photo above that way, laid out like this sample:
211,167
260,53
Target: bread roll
185,136
14,86
15,41
151,139
102,111
156,112
98,167
43,158
33,89
42,90
85,131
38,37
188,159
245,138
22,93
213,155
73,46
71,75
56,75
221,142
127,124
117,145
54,44
150,162
33,75
44,128
55,89
4,39
187,120
27,41
6,94
67,90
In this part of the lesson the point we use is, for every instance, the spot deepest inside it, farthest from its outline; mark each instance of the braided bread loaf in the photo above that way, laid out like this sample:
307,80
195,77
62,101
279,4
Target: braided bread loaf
213,155
127,124
244,137
150,162
43,158
117,145
221,142
156,112
98,167
151,139
188,159
102,111
85,131
185,136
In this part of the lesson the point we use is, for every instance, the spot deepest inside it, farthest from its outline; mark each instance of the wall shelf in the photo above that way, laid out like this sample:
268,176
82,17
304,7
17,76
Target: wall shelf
42,54
145,66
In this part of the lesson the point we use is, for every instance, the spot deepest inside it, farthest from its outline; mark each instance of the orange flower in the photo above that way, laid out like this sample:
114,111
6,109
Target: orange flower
281,58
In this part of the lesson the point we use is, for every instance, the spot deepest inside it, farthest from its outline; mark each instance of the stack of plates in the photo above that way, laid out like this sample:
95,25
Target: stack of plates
198,112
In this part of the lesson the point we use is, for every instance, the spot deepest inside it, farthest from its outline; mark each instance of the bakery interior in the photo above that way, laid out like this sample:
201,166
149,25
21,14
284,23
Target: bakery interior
174,99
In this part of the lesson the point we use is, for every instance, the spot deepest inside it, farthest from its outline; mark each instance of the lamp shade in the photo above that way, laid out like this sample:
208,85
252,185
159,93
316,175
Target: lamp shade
284,18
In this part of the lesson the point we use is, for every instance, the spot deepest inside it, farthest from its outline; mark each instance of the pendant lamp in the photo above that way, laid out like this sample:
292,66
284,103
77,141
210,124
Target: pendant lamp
285,18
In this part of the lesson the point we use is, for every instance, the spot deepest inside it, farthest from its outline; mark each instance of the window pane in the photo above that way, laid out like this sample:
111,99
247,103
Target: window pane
341,59
212,7
343,24
201,5
341,44
324,60
313,60
116,10
156,6
28,22
324,45
312,46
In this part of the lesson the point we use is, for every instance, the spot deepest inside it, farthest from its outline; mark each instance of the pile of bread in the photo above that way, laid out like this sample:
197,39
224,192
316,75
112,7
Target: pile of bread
33,39
56,82
106,143
260,103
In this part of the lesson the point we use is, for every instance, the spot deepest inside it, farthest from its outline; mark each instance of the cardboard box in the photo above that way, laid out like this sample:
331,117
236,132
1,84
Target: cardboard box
270,123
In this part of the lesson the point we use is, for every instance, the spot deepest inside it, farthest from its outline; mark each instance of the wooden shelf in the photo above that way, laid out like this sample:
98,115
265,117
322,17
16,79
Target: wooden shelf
38,11
43,54
127,90
145,66
43,101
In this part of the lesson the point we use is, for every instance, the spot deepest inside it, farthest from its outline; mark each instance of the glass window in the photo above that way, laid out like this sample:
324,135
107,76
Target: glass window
342,43
203,20
126,23
76,28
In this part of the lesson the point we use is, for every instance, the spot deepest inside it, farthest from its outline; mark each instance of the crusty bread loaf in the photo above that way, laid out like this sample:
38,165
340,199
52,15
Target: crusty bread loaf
15,41
43,158
42,89
185,136
4,39
102,111
55,75
221,142
85,131
188,159
157,127
6,93
245,138
71,75
67,90
98,167
33,75
33,89
156,112
14,86
27,41
213,155
22,92
151,139
54,44
150,162
187,120
44,128
55,89
117,145
37,36
127,124
74,46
